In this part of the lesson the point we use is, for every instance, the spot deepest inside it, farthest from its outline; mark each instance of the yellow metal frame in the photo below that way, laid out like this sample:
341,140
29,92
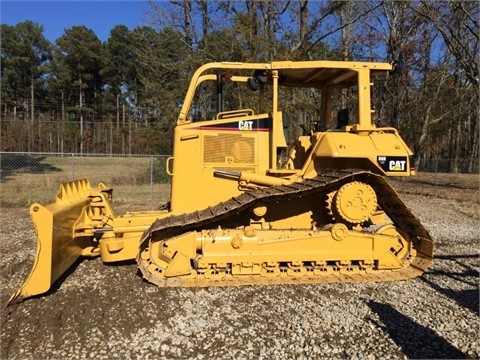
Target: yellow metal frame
217,159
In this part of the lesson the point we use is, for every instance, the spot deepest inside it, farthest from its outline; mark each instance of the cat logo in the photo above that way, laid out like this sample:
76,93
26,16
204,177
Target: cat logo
396,165
393,163
245,125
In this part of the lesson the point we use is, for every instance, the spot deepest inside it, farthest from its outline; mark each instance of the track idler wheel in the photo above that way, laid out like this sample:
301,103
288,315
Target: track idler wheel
354,202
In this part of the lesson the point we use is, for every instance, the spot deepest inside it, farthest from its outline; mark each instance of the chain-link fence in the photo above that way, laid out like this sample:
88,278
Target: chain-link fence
462,166
139,182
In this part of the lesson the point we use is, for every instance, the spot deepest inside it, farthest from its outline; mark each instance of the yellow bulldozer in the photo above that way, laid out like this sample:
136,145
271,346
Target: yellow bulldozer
248,204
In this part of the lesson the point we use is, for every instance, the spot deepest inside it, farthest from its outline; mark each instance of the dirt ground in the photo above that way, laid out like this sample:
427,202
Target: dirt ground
99,311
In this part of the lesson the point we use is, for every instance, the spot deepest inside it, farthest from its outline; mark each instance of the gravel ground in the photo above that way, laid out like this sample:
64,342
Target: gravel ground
106,312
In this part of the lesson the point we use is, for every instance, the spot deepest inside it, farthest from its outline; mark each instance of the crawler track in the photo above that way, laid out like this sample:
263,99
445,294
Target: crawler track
226,212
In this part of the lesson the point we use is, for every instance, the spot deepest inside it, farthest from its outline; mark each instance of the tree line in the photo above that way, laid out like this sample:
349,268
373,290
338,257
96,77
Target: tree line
80,94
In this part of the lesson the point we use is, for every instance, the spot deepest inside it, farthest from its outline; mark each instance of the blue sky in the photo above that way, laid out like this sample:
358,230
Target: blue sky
56,16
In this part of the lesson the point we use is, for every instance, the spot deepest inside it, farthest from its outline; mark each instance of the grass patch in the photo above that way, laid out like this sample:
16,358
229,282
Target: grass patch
136,181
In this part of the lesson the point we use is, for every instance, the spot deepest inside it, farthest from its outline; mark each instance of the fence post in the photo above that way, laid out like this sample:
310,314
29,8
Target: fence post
72,163
151,182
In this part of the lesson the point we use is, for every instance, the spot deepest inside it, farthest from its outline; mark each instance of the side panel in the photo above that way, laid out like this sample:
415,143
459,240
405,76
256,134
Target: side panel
379,152
233,144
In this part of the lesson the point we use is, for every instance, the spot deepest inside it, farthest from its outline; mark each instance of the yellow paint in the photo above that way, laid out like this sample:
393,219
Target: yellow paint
232,152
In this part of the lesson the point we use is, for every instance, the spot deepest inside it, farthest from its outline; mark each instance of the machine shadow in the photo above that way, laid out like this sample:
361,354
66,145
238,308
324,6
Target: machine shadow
468,298
416,341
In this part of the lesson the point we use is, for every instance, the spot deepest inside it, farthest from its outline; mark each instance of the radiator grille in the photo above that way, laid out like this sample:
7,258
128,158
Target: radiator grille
229,148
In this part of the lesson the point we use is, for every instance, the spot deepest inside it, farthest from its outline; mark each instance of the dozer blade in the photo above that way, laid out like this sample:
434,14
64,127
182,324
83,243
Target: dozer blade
59,242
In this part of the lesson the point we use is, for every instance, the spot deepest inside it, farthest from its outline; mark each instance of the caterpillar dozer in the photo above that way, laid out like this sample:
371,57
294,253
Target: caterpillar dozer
248,204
